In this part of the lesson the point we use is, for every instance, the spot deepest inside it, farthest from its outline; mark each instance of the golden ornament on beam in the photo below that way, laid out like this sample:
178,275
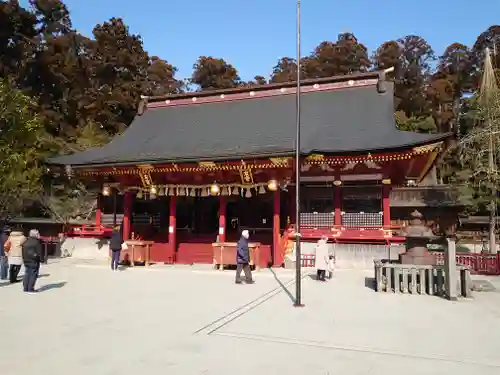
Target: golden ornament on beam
214,189
272,185
139,194
106,190
153,190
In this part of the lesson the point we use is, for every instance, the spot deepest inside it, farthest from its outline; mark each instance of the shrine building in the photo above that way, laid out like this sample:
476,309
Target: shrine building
197,168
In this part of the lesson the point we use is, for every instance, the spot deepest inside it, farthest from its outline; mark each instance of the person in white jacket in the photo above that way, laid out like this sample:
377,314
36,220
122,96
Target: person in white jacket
321,259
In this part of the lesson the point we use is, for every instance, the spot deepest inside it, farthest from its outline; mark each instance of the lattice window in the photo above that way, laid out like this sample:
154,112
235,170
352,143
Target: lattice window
361,220
317,220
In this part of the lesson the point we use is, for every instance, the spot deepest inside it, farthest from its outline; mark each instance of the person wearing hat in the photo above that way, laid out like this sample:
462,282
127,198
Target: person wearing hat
4,262
243,259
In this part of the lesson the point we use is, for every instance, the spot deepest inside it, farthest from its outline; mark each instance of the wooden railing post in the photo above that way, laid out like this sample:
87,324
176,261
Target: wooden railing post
450,265
378,275
421,279
465,282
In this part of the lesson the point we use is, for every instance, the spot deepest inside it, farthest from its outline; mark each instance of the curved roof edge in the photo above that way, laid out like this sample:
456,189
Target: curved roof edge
66,159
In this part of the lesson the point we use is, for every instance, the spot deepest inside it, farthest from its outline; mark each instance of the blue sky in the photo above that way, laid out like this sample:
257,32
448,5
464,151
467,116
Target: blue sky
253,34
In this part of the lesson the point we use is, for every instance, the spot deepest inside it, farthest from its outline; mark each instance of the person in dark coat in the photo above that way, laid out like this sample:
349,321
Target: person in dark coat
115,245
32,255
4,261
243,259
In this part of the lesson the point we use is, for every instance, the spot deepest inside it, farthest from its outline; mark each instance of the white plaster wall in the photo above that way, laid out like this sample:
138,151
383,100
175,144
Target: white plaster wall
85,248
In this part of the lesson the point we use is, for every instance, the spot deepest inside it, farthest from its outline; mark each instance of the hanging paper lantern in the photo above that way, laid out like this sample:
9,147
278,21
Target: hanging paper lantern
139,194
262,190
193,192
235,191
182,192
161,192
248,194
171,192
153,190
272,185
225,191
214,189
204,192
106,190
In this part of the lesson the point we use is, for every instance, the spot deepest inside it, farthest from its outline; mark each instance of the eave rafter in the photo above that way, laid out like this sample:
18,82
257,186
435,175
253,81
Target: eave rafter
270,163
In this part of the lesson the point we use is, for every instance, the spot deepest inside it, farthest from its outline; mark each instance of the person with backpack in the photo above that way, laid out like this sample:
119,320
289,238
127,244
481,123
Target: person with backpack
32,255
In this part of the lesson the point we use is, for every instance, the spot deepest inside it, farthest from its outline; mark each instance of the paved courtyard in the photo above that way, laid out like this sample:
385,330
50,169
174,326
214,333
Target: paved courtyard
192,320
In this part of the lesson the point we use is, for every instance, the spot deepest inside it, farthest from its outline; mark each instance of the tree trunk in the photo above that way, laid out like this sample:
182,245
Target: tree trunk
492,242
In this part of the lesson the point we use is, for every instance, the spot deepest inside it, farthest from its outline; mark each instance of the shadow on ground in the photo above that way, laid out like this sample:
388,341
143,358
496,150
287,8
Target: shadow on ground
283,286
47,287
370,283
20,279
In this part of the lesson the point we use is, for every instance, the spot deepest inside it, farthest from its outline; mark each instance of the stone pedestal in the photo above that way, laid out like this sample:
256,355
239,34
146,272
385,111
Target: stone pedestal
417,252
417,238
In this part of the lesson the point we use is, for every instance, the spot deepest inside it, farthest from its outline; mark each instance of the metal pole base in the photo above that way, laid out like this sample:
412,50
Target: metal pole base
298,305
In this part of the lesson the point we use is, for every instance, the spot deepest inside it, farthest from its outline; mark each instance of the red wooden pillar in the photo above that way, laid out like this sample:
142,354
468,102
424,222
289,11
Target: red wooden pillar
337,202
98,211
292,206
278,256
172,225
222,218
386,204
127,214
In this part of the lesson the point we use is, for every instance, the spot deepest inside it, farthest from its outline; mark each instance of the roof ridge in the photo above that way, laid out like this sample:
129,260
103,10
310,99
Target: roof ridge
266,87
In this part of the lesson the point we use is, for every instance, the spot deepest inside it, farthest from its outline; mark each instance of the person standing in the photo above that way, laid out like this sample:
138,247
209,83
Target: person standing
115,245
32,255
321,259
4,263
14,249
243,259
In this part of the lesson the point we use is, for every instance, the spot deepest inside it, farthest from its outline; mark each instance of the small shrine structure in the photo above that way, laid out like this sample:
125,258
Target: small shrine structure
200,167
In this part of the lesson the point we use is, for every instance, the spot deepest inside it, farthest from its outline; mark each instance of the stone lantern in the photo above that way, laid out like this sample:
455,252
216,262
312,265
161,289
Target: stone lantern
418,237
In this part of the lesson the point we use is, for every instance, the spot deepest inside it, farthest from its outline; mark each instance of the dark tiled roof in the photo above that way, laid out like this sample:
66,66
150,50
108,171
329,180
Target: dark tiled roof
349,120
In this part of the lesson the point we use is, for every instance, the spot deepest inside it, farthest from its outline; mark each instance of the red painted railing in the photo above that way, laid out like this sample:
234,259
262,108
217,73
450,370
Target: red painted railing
89,231
479,263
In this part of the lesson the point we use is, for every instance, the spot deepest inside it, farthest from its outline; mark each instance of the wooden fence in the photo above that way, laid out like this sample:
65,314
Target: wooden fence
419,279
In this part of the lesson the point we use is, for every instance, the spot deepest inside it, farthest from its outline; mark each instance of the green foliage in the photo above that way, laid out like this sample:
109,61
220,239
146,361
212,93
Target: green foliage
211,73
21,148
415,124
68,201
479,150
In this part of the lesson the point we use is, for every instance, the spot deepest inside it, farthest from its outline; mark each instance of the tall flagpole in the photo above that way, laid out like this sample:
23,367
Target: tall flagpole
298,276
